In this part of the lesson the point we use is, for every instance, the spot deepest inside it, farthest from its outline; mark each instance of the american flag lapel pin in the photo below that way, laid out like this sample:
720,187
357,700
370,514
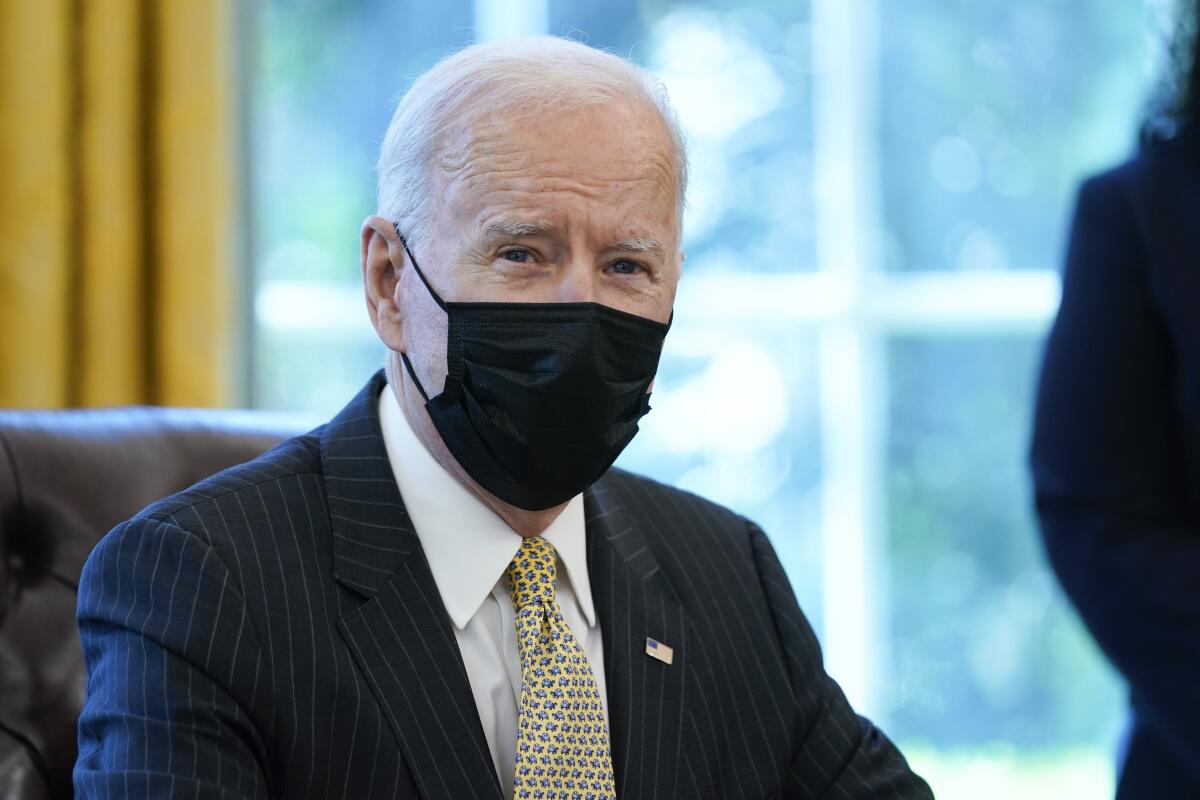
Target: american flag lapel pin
656,649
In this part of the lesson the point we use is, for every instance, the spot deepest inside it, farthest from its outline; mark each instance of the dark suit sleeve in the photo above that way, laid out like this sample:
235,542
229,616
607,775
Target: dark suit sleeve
173,664
1107,470
837,753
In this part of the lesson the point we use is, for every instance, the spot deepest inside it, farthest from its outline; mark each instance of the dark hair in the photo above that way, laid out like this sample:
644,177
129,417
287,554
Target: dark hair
1175,105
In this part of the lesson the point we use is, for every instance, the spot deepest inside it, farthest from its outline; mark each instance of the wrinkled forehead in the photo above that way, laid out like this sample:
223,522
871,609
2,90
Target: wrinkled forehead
616,156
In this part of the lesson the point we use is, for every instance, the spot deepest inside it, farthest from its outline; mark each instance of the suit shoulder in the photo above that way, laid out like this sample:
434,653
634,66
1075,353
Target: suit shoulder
297,456
1110,189
1159,167
671,510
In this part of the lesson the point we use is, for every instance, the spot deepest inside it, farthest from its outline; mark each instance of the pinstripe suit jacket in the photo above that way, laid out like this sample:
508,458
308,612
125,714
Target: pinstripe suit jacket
275,631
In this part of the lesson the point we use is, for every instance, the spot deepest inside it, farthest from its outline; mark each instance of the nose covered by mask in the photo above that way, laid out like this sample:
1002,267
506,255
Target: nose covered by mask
540,398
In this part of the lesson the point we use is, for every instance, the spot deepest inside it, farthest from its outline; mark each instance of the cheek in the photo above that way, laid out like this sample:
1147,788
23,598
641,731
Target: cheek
651,304
425,342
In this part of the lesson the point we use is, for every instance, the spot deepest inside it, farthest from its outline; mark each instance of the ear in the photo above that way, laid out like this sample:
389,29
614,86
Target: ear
382,262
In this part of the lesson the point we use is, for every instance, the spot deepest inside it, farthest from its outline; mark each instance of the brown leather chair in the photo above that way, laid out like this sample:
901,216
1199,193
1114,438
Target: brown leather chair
66,478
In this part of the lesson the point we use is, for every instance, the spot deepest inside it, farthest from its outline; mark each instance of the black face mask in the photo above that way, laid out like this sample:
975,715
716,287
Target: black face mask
540,398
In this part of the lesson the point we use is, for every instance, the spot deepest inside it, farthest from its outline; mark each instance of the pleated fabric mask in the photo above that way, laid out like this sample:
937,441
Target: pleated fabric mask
540,398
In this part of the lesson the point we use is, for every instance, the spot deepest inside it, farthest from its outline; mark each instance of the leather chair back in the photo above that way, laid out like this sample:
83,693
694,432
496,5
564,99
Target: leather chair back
66,478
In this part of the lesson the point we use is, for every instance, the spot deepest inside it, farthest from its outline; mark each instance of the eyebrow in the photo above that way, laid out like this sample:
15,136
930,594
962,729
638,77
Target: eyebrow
639,246
505,229
514,229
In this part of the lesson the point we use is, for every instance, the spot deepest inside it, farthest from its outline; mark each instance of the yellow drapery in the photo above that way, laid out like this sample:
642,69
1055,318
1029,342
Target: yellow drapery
118,203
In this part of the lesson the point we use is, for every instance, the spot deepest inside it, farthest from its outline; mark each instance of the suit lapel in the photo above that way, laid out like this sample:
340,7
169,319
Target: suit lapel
645,696
400,635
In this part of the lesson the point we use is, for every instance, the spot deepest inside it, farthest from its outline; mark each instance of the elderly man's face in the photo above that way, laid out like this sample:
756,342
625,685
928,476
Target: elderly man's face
576,207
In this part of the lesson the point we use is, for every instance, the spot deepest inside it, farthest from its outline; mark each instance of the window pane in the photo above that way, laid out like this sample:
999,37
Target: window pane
735,420
984,648
990,113
740,77
328,75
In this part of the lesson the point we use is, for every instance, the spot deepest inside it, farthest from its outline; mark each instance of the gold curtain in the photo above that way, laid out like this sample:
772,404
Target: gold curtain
118,203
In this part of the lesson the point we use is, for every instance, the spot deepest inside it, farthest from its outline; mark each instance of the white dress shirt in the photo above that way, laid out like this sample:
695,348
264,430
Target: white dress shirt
469,549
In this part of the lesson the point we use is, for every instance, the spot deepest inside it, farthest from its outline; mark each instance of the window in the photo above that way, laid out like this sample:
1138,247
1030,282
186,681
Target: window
878,209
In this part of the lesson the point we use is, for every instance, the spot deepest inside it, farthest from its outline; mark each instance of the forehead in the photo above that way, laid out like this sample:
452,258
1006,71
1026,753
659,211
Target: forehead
603,161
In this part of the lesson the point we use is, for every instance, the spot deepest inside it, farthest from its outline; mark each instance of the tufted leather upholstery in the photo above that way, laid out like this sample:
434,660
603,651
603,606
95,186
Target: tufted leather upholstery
66,478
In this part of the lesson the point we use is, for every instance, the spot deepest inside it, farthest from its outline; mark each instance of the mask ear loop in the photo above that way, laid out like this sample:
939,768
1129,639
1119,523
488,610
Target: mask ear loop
412,373
417,267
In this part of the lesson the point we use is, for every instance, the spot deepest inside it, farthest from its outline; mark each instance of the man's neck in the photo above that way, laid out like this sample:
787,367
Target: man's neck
525,522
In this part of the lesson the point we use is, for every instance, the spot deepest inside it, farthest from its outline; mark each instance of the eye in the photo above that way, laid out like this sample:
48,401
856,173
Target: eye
517,256
626,267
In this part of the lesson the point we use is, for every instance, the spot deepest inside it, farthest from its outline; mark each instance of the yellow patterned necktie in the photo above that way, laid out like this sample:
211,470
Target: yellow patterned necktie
562,740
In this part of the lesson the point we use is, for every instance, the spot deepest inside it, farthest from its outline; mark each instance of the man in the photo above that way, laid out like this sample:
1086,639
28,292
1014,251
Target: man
445,592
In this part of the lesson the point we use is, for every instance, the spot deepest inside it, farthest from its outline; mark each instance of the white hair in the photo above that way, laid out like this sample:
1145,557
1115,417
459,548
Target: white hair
532,74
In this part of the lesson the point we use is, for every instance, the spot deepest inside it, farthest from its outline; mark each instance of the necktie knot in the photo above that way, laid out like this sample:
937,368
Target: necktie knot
531,573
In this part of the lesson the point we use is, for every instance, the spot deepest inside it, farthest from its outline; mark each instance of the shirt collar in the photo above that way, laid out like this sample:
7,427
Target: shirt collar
452,522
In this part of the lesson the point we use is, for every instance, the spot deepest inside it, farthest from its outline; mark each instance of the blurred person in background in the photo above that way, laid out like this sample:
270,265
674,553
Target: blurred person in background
445,592
1116,445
